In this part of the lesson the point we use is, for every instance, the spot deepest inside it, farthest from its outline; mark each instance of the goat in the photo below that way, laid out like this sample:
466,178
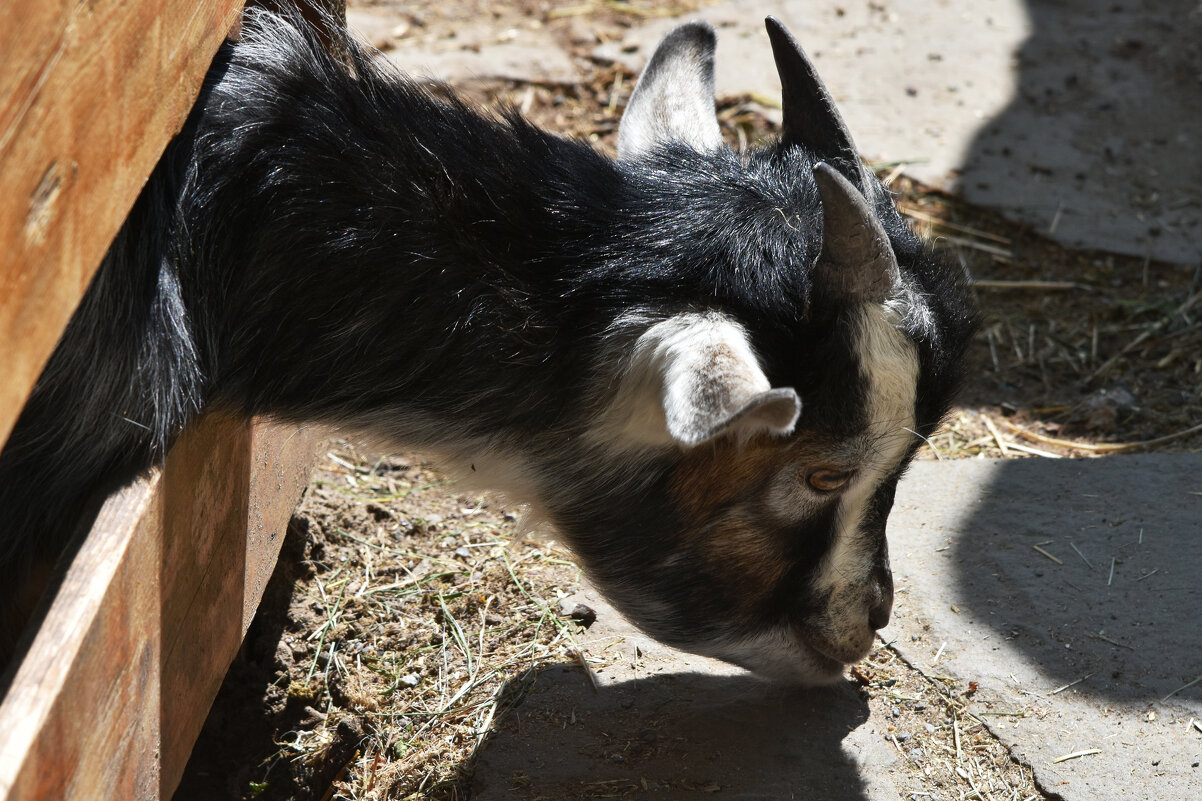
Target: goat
625,344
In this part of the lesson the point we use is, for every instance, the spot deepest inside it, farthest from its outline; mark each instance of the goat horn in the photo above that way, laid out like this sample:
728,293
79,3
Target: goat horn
810,116
857,259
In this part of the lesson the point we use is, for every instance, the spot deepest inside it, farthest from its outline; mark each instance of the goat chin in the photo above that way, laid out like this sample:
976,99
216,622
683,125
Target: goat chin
781,658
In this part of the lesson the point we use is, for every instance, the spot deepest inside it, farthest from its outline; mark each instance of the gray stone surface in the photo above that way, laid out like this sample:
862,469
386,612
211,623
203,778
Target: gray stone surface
676,726
477,50
1083,119
972,586
972,590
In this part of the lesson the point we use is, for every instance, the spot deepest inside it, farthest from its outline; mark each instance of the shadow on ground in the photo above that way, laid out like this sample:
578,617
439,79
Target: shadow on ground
679,735
1085,567
1101,139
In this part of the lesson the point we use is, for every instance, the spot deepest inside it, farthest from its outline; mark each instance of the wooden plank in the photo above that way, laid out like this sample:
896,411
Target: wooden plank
148,615
227,500
90,94
120,677
74,724
205,503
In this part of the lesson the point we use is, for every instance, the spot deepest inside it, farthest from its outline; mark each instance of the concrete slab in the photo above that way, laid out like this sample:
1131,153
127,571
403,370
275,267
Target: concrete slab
1024,623
667,725
972,590
1078,118
475,50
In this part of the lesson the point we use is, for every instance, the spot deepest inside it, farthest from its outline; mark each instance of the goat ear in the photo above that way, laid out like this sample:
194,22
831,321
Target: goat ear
694,377
673,100
699,419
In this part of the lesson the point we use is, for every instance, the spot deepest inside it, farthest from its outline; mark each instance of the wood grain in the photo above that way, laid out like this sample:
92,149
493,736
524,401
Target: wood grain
227,495
90,94
147,616
75,722
112,694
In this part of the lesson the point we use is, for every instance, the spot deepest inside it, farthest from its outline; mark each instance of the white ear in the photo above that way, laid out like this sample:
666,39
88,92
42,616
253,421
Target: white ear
694,377
674,98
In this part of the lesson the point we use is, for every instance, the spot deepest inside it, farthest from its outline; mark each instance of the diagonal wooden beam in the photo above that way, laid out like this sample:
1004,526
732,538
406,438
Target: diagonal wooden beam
90,94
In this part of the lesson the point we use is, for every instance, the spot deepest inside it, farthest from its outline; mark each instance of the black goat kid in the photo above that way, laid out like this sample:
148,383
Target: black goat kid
626,345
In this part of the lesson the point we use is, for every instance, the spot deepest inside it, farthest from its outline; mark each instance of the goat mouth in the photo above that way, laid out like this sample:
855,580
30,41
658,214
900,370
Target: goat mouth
821,657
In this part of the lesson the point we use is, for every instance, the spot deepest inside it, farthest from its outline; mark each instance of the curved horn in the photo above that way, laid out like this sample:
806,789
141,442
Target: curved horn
810,116
857,259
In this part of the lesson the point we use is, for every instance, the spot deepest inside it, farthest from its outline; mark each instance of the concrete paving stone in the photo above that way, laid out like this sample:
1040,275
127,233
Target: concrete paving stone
972,588
669,725
1076,117
477,50
1022,623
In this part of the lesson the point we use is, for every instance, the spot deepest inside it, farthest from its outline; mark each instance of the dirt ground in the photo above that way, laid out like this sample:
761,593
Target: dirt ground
407,618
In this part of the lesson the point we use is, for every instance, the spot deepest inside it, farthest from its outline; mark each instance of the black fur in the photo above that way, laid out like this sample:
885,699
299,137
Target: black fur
343,246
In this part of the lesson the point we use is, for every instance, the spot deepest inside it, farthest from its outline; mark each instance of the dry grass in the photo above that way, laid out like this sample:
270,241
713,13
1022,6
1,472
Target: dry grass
416,619
432,619
935,727
1080,354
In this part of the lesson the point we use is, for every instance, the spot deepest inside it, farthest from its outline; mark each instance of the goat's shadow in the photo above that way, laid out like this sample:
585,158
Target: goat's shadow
1101,139
669,736
1084,567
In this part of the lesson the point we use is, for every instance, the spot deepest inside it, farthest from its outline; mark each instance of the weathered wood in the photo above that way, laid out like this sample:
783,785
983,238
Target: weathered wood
112,694
205,504
133,645
90,94
228,494
75,723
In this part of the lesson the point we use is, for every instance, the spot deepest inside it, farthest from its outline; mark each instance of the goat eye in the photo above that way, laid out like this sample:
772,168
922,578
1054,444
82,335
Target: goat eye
828,480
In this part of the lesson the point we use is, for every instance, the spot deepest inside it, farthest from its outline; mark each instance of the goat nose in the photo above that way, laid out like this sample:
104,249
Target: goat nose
882,606
878,615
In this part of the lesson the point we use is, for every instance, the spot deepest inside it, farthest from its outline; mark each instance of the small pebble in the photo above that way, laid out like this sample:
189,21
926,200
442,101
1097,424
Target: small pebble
582,613
378,512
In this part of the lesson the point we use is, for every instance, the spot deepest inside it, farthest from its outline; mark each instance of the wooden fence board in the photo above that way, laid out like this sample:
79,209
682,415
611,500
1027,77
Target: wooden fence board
145,619
112,694
74,724
205,505
230,491
90,94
